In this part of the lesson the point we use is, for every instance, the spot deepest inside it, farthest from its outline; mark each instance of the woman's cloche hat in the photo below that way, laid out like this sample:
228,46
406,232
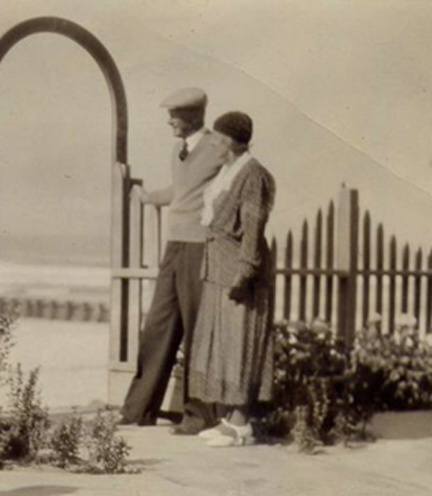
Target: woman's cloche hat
236,125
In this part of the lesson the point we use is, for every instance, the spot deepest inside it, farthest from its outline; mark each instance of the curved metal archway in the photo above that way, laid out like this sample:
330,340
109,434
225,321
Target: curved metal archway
99,53
120,170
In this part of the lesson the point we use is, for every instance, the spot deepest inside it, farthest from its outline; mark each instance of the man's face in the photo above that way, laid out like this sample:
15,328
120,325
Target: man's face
183,122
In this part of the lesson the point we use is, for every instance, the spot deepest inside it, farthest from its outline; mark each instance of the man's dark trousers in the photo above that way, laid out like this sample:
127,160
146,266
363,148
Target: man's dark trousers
171,318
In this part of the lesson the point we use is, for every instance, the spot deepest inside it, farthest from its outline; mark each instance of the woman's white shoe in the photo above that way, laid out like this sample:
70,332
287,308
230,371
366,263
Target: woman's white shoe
211,433
224,428
234,436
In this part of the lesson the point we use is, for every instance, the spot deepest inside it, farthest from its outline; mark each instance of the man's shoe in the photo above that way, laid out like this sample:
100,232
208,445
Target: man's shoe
190,426
124,421
173,417
147,421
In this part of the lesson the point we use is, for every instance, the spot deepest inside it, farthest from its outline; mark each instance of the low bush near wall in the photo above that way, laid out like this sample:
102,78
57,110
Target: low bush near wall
107,452
323,393
91,446
28,436
23,433
389,372
65,442
7,321
87,447
308,383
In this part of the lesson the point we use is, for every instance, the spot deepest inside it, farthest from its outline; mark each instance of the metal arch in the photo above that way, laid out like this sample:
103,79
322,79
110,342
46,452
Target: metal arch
99,53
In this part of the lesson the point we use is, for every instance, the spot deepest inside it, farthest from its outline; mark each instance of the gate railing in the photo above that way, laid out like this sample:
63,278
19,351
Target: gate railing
130,282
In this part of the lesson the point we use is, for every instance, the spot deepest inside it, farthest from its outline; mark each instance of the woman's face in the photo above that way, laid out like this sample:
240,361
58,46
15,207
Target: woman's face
226,143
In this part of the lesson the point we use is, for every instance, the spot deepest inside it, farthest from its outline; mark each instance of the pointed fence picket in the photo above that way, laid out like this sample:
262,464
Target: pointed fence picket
366,282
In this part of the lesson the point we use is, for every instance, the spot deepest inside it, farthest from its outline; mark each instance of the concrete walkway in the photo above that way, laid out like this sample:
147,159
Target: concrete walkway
185,466
73,360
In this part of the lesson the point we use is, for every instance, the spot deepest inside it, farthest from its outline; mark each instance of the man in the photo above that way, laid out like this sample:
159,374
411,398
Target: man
196,160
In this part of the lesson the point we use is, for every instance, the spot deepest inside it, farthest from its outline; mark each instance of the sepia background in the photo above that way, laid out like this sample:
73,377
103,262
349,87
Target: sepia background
339,91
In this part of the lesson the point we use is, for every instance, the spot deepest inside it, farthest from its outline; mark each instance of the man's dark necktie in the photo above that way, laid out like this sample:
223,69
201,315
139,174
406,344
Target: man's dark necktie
184,151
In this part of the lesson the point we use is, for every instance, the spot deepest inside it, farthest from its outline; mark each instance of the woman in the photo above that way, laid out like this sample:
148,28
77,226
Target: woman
232,349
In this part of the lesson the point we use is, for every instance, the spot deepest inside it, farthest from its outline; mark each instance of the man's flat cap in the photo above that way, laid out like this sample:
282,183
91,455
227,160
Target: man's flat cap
185,98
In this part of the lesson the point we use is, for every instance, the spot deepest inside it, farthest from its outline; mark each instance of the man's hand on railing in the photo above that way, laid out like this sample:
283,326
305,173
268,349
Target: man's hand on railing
158,198
144,196
138,191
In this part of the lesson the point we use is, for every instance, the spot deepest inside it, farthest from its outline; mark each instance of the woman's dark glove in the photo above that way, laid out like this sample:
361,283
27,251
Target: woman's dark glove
239,290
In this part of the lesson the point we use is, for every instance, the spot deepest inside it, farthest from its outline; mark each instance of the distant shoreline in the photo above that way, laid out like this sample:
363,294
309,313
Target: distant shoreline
79,261
30,281
59,292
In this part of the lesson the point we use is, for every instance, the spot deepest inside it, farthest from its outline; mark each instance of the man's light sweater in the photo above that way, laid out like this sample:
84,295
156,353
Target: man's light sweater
190,177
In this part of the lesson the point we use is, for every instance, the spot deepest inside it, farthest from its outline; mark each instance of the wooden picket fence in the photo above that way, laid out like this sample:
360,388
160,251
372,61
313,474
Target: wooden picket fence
342,275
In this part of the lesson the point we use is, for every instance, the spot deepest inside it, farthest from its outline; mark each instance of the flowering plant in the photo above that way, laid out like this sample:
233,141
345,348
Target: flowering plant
308,379
7,322
392,371
322,391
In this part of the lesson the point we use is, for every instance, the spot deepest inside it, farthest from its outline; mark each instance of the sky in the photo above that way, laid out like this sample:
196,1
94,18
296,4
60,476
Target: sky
340,91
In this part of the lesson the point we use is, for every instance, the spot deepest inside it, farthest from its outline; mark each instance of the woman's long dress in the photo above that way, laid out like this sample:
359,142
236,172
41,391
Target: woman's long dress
232,350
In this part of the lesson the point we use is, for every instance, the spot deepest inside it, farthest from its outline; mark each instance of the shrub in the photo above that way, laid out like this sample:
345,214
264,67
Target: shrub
23,433
389,372
323,394
304,433
107,452
65,442
25,430
308,381
7,321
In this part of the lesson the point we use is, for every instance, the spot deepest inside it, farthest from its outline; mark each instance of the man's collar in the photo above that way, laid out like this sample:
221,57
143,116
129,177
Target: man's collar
193,139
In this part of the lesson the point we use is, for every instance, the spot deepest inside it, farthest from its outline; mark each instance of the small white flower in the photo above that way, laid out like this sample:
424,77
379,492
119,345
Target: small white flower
405,320
374,318
319,325
409,343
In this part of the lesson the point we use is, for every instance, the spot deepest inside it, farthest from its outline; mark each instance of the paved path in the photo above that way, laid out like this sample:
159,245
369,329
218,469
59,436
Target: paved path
185,466
74,359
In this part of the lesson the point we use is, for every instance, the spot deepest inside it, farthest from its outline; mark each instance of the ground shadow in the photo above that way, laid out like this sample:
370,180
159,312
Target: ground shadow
402,426
40,491
144,462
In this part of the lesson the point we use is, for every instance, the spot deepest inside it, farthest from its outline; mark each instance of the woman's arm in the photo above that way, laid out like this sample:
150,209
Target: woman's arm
256,199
